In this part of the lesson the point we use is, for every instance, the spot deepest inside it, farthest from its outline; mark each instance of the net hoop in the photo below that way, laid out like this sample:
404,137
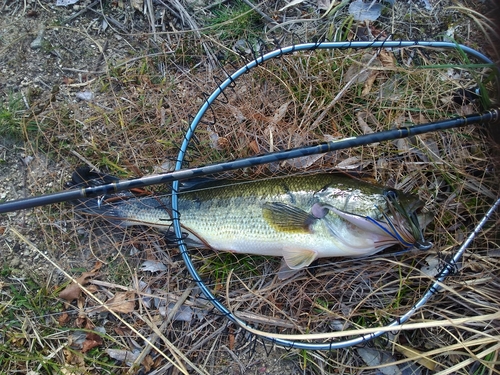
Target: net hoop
230,80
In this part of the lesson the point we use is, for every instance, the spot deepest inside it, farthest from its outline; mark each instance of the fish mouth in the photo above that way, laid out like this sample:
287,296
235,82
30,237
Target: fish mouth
404,225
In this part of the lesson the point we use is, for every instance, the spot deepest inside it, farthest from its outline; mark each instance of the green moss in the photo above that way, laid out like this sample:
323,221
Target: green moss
11,110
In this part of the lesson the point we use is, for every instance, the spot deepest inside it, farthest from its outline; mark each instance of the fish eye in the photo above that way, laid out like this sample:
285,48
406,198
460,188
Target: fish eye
391,194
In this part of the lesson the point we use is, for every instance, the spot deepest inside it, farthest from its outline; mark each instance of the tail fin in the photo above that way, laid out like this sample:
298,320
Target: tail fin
110,212
128,208
84,177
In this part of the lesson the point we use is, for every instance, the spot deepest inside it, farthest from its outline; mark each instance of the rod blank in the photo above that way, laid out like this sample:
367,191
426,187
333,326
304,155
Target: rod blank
184,174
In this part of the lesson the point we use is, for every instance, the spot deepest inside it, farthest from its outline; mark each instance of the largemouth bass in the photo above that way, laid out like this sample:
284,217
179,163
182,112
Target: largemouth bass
300,218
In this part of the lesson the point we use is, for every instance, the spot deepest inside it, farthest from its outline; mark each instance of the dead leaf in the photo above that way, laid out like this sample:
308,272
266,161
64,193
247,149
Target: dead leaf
123,355
122,302
475,266
353,162
138,4
434,266
466,110
73,291
367,88
122,331
98,265
63,318
73,358
304,161
231,341
422,119
254,146
280,113
84,278
386,58
92,288
147,362
80,303
81,321
364,126
223,143
237,114
67,80
92,340
214,138
158,362
365,11
379,359
402,145
357,73
363,118
183,314
89,325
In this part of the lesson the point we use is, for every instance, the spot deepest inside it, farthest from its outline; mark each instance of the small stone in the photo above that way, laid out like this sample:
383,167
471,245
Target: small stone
85,95
37,43
15,262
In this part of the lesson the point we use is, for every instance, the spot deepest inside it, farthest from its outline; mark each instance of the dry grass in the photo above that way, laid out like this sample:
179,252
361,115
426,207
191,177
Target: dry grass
136,123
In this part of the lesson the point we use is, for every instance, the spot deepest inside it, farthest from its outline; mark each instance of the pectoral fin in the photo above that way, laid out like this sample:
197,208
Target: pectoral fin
296,259
287,218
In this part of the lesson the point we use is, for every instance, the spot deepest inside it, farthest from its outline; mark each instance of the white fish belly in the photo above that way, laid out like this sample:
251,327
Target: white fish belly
253,235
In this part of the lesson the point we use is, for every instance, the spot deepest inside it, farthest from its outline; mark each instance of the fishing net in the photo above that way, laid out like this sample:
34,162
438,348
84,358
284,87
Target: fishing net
387,84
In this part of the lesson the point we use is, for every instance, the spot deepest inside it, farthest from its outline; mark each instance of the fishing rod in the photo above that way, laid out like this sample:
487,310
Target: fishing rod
183,174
